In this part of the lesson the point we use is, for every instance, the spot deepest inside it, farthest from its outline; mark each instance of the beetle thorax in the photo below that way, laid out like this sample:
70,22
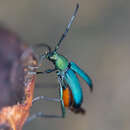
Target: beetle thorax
59,61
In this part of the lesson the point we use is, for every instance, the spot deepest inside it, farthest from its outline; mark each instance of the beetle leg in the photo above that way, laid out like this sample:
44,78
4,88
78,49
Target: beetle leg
33,67
61,78
45,98
61,96
39,63
47,71
40,115
44,72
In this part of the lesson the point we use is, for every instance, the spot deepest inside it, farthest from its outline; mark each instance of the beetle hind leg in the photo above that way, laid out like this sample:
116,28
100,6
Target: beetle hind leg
40,115
61,96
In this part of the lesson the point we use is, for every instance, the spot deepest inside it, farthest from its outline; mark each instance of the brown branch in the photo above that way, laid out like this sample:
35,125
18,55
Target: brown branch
16,86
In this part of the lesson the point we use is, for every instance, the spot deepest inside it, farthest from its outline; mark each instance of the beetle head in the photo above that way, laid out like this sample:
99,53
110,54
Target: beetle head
52,56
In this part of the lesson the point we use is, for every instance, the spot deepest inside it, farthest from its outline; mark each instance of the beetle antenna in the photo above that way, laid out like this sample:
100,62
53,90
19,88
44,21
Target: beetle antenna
68,27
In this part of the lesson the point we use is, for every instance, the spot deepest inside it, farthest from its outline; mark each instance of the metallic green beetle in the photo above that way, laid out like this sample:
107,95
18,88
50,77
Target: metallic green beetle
67,78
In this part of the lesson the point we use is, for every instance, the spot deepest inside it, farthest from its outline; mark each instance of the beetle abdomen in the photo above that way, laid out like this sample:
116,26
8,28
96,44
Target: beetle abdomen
67,97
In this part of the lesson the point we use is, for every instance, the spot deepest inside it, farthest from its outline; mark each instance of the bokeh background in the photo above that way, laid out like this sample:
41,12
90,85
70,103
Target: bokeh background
99,41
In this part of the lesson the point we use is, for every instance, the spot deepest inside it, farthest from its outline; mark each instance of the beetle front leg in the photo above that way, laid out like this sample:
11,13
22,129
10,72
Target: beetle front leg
48,71
39,63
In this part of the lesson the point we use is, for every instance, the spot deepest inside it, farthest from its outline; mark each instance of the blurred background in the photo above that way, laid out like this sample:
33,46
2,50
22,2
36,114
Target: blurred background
99,42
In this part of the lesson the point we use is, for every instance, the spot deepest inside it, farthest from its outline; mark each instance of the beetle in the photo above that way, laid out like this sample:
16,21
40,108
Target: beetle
70,90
